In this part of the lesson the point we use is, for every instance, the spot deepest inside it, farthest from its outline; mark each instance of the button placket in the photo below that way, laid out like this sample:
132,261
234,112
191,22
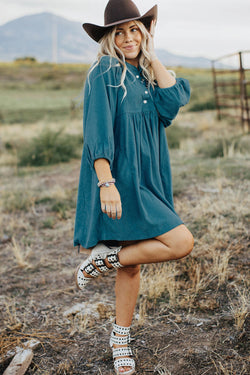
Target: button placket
145,96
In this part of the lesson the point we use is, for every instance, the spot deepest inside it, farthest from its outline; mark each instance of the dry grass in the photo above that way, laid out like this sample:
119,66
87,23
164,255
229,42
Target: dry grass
240,307
220,267
11,321
21,256
65,368
157,279
80,323
162,371
221,369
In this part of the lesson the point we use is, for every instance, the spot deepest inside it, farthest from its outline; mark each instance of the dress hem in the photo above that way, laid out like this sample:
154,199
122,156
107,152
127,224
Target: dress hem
77,243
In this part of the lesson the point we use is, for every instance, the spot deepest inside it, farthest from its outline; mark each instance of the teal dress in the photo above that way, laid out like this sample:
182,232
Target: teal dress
130,133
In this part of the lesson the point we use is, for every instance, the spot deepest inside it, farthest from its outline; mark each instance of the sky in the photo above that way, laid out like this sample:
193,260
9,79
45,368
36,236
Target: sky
208,28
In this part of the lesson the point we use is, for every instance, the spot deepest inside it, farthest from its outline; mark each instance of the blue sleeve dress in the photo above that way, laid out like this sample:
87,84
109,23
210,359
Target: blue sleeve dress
130,133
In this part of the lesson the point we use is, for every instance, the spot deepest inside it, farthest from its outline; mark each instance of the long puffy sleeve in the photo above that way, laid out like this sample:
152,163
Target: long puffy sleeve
99,112
170,99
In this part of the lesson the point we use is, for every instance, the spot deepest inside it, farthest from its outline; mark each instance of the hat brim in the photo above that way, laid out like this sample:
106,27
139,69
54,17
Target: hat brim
97,32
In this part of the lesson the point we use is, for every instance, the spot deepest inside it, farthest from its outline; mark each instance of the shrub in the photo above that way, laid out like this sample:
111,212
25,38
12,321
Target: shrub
50,147
29,59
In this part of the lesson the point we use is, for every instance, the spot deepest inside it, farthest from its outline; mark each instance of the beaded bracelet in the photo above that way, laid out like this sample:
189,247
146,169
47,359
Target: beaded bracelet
106,183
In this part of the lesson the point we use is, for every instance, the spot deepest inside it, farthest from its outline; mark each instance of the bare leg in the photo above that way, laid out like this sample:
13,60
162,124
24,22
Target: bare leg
127,288
171,245
174,244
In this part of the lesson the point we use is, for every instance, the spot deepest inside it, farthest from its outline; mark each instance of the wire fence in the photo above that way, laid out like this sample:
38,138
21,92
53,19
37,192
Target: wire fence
231,81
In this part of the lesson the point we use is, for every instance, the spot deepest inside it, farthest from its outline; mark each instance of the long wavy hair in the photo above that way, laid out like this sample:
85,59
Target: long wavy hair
109,48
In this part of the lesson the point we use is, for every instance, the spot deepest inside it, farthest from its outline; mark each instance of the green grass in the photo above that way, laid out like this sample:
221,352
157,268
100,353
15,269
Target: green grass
34,91
31,92
42,75
31,105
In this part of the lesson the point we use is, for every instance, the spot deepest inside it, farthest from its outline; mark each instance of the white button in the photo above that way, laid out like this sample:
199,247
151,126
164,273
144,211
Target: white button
146,92
137,76
145,101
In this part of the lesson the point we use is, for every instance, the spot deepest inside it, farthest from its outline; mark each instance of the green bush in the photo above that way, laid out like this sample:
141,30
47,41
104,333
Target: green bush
50,147
29,59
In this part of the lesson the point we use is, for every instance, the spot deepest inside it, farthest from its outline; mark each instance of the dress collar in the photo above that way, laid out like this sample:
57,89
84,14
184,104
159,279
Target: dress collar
133,68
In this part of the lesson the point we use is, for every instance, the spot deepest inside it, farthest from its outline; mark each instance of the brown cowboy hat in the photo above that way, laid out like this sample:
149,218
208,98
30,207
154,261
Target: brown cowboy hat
117,12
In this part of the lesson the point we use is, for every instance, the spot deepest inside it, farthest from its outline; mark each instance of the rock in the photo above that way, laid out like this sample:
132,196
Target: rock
20,363
82,308
30,344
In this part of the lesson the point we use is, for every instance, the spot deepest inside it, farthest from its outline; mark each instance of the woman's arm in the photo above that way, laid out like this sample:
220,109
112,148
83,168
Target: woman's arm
109,196
163,77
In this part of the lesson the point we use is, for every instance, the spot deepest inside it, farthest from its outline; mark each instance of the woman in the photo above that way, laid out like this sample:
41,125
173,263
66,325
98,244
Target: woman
125,210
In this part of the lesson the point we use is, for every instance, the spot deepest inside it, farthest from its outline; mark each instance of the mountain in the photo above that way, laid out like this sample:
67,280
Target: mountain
48,37
170,59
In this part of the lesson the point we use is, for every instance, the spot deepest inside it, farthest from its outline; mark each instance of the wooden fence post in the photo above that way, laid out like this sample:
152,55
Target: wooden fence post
215,91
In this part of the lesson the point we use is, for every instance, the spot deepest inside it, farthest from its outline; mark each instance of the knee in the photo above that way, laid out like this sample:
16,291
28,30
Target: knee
184,245
180,244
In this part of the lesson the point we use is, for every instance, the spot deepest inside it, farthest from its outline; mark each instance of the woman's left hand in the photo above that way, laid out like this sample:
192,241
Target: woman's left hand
151,48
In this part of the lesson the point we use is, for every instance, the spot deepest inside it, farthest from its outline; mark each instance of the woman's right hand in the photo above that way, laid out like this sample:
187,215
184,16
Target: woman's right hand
150,44
111,202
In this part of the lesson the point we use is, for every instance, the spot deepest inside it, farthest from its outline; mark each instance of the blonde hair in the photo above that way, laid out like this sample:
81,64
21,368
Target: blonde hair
108,47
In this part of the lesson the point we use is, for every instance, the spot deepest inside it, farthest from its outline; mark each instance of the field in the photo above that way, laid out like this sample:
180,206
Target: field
192,316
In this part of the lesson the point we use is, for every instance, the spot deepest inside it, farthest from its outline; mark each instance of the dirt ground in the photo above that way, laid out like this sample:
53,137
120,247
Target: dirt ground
198,324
